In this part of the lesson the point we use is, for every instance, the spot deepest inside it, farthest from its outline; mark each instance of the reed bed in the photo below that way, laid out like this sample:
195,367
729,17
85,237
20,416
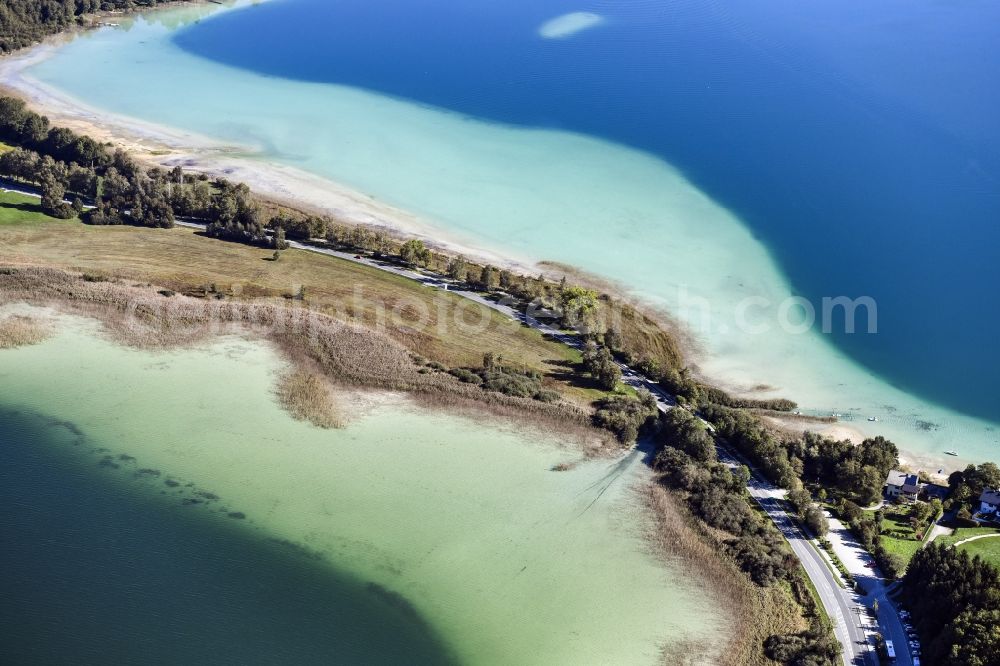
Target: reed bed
308,396
19,331
571,425
754,612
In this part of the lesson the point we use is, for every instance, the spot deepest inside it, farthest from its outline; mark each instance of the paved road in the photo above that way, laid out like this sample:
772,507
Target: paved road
938,530
11,185
860,564
844,607
851,624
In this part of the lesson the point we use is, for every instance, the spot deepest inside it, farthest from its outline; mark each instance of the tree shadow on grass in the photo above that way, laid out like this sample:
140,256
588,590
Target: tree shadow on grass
572,373
23,207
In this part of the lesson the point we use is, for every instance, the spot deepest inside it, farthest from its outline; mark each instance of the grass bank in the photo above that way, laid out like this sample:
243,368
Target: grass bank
430,323
19,210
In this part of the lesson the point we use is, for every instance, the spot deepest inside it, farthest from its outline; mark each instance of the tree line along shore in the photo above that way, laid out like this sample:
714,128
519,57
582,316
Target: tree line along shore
26,22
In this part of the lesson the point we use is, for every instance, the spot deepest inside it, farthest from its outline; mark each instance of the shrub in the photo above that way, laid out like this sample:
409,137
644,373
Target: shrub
762,556
467,376
719,397
599,362
723,509
521,386
547,396
964,518
815,647
892,565
680,429
625,416
817,521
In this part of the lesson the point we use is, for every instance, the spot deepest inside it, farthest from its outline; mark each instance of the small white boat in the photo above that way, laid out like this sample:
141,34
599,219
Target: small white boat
951,453
873,419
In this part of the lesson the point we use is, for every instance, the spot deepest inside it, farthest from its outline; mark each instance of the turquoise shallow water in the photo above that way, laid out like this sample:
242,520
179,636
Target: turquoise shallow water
164,509
533,186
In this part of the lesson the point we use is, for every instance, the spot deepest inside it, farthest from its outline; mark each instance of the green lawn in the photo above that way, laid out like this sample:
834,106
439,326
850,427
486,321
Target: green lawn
988,549
905,548
4,148
898,536
18,209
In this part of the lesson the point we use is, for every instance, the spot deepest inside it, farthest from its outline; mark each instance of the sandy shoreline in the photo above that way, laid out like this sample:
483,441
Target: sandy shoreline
165,147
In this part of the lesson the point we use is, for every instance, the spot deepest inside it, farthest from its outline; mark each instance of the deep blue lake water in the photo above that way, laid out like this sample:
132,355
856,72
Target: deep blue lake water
860,142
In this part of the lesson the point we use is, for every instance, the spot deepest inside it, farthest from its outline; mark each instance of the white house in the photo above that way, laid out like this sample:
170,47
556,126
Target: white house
902,484
989,501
